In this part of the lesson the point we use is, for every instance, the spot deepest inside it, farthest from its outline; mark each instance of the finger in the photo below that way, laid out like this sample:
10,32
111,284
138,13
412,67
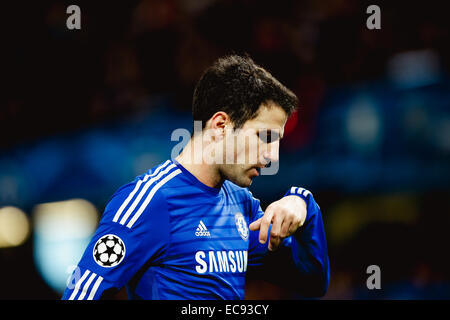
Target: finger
264,226
294,226
286,226
255,225
275,232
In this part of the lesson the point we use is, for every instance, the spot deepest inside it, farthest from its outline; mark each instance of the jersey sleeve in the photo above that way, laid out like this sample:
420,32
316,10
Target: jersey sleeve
133,231
307,250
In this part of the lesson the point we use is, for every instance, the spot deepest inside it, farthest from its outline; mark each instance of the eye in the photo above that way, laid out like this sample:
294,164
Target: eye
268,136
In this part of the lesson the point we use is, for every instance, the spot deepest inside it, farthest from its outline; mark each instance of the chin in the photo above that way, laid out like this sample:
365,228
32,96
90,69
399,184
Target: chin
242,179
243,183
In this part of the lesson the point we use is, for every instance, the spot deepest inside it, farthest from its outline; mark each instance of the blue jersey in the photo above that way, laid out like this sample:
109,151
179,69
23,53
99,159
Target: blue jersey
166,235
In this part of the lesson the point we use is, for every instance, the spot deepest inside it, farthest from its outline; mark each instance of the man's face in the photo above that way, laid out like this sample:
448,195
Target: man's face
254,146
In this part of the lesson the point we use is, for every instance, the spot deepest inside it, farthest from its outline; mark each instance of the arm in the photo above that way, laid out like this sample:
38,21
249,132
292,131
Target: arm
104,270
295,224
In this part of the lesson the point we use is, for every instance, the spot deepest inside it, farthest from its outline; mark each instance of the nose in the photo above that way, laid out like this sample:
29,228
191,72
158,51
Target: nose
271,152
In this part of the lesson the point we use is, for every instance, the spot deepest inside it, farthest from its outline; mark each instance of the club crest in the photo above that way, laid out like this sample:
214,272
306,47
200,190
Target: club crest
241,225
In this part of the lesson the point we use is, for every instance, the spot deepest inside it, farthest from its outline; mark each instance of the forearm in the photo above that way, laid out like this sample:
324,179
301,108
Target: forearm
310,253
302,261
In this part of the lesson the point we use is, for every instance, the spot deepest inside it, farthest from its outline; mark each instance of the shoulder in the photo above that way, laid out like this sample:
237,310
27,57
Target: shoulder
130,202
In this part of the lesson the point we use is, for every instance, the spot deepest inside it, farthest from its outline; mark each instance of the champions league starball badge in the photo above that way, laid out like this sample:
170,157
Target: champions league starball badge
241,225
109,251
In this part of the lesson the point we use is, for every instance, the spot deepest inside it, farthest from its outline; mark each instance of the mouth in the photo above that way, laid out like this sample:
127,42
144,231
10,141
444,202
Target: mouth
255,171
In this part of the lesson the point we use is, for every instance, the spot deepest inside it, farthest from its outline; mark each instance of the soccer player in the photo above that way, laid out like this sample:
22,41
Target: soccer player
189,227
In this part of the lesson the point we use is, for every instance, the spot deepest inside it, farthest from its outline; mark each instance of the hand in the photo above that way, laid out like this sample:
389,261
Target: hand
286,216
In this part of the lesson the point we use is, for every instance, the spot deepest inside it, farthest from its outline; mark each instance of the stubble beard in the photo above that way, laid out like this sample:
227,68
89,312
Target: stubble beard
238,174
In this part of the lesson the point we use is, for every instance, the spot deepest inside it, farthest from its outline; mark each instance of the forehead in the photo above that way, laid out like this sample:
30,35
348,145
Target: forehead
269,116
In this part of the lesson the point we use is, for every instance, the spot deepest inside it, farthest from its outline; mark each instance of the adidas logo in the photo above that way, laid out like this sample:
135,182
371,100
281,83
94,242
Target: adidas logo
202,231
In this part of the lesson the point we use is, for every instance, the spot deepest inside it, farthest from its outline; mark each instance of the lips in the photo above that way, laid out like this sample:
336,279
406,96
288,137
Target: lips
255,171
260,166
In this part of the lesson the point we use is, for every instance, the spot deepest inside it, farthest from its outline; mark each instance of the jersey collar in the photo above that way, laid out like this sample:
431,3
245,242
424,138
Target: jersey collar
190,176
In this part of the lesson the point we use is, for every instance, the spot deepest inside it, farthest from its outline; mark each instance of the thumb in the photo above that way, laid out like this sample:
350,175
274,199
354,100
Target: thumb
255,225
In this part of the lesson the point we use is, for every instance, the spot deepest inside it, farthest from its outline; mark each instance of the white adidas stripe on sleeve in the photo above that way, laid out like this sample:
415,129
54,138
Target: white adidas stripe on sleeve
86,286
136,188
78,284
150,196
143,191
95,287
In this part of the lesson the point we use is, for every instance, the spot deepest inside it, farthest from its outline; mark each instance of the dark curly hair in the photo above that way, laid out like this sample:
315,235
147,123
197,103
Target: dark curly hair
236,85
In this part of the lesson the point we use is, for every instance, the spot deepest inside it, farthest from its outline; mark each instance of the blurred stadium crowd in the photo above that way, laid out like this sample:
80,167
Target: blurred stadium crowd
83,112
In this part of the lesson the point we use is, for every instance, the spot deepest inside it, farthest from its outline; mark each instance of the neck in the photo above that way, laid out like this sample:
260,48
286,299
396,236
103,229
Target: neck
207,174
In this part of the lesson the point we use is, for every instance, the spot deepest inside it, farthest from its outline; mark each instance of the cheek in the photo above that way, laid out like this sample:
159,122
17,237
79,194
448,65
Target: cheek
253,151
249,148
229,149
240,150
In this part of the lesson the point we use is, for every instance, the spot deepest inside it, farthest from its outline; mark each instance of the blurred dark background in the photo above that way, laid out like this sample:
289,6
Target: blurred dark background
83,112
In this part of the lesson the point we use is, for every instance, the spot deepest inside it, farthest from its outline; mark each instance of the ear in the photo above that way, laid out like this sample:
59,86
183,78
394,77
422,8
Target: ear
219,122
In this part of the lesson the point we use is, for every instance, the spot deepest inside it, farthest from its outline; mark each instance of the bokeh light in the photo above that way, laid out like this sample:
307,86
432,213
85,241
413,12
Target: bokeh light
14,227
62,231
